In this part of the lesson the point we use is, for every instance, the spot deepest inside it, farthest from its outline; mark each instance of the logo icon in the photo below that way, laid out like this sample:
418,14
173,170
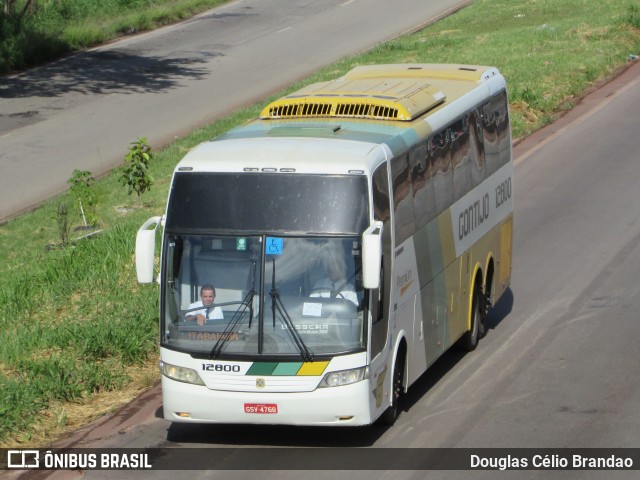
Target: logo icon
260,383
23,459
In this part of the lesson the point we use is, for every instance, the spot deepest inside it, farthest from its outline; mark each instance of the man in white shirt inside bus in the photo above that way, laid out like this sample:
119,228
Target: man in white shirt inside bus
335,284
208,311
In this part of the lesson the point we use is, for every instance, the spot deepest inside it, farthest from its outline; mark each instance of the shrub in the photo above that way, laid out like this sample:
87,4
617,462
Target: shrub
135,173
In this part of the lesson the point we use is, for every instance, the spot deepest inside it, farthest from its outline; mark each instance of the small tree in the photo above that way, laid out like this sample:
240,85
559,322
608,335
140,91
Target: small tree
84,194
135,173
61,216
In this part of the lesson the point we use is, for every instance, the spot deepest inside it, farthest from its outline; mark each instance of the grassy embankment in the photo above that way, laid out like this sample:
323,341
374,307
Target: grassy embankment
51,28
78,335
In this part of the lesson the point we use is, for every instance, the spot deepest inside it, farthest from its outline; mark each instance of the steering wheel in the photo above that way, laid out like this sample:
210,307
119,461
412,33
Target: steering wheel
327,290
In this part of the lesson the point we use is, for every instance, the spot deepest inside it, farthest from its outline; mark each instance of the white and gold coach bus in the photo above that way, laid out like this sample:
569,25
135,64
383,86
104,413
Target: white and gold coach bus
352,234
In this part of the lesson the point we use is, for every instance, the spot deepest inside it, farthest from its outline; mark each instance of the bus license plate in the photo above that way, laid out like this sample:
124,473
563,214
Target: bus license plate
260,408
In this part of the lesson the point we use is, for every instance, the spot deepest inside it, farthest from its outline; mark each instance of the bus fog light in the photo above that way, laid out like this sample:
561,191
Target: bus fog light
344,377
180,374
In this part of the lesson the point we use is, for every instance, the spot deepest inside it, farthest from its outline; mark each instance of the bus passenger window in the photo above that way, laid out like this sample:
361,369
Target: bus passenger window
402,199
443,176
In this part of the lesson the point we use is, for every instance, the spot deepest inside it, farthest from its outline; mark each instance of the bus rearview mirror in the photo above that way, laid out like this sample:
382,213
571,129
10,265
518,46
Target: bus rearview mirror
146,249
371,255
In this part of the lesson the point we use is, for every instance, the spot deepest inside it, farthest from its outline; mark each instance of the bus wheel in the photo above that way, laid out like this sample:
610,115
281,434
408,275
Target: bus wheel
469,340
390,415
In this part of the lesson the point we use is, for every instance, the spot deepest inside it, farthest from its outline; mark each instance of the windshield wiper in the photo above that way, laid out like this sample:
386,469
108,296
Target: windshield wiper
229,329
277,305
237,316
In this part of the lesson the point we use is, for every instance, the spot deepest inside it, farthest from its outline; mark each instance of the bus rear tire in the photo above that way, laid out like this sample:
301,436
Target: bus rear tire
469,340
390,415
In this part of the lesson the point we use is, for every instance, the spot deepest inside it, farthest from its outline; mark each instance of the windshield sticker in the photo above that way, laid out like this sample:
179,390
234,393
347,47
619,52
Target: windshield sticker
241,244
312,309
274,246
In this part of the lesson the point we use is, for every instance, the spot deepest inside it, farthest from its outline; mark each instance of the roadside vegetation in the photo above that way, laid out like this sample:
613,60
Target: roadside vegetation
78,335
36,31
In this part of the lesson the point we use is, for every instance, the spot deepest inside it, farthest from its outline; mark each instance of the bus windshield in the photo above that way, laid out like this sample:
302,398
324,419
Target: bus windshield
260,295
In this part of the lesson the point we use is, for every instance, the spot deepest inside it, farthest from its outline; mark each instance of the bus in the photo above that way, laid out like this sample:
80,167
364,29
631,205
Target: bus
317,260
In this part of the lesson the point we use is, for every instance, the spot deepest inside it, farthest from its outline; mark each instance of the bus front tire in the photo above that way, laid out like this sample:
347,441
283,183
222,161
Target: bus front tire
390,415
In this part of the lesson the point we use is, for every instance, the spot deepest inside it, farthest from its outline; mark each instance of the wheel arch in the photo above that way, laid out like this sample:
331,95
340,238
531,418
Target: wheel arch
476,281
400,348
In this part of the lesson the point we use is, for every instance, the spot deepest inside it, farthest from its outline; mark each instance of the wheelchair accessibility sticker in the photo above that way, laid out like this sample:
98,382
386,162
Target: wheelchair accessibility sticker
274,246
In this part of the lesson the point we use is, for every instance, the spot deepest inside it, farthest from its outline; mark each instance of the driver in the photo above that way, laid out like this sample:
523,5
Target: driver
208,312
335,284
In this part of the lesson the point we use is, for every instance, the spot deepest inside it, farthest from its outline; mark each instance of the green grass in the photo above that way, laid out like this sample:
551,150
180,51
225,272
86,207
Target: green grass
68,327
73,321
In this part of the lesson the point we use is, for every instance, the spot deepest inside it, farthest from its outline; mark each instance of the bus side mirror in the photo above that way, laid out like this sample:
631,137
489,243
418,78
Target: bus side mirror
146,249
372,255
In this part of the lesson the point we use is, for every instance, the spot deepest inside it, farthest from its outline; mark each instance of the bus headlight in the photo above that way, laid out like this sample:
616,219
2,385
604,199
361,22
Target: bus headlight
344,377
180,374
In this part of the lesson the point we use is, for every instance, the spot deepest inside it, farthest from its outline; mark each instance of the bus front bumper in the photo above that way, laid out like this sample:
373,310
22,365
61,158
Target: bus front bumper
344,405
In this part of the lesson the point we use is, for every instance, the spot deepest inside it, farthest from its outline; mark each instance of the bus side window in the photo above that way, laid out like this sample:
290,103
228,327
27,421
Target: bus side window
404,217
424,195
490,139
476,147
460,159
379,298
440,145
501,107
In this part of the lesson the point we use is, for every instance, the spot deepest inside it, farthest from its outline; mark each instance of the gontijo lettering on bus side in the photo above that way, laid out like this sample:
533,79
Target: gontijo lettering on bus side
482,208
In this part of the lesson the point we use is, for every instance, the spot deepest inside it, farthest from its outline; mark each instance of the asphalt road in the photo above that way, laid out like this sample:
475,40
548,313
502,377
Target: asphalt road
83,112
560,364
